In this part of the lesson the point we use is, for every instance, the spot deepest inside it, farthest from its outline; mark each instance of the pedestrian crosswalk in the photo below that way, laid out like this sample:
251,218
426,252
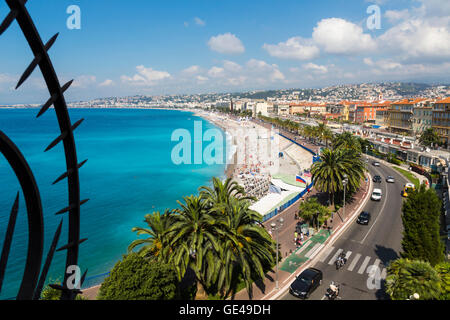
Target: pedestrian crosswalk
356,262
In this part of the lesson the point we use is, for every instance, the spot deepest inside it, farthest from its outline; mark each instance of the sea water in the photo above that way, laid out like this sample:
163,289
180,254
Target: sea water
129,174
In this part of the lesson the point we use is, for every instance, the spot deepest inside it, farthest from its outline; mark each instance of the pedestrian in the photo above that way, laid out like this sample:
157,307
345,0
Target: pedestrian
295,235
301,237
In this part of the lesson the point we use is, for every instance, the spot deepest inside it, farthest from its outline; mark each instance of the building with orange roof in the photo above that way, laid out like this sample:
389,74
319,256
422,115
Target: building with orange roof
401,114
441,119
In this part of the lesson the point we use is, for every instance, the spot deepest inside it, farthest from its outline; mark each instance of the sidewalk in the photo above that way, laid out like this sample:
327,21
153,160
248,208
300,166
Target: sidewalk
295,260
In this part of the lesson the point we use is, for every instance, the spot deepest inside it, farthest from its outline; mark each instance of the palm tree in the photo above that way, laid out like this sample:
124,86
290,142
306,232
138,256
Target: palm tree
346,140
406,277
157,243
248,250
221,192
328,173
196,241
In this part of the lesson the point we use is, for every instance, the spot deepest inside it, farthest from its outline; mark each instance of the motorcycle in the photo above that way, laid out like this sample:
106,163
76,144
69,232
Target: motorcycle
340,261
333,291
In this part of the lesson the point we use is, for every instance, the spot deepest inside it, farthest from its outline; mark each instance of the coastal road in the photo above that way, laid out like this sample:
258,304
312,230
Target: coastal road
375,244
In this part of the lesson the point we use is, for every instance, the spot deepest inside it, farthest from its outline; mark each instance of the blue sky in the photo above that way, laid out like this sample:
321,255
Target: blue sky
195,46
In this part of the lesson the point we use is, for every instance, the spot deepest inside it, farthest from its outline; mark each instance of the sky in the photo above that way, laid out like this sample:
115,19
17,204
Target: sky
159,47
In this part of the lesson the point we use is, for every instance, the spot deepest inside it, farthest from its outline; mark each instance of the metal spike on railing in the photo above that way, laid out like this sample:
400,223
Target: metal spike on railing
67,209
83,277
52,99
72,244
66,174
8,20
8,239
37,59
48,261
62,136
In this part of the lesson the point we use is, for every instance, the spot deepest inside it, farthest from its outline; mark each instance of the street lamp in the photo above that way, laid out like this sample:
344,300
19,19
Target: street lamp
276,227
344,182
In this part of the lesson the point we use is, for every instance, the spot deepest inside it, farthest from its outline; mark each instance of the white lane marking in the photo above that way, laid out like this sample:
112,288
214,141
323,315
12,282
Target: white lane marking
348,254
326,254
364,265
335,256
306,245
316,252
354,262
313,250
383,274
377,263
379,215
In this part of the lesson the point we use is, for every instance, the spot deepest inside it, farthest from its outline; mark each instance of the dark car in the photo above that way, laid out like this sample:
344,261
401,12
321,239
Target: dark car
377,179
306,283
363,218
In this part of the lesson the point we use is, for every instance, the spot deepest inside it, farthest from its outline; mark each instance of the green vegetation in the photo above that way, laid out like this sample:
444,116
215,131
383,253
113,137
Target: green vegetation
430,138
421,214
314,213
49,293
139,278
410,176
344,157
214,235
407,277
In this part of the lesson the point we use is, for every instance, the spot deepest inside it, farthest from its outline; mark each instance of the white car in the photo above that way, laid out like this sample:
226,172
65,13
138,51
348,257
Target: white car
377,194
390,179
376,164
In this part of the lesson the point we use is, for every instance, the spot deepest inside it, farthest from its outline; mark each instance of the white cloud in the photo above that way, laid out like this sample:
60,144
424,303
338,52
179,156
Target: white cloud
315,68
418,39
265,70
146,76
107,83
216,72
226,43
199,22
231,66
191,70
295,48
338,36
394,16
84,81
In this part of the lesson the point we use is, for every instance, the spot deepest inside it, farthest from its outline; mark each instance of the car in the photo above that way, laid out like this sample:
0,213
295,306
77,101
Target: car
390,179
376,164
377,179
306,283
363,218
409,187
377,194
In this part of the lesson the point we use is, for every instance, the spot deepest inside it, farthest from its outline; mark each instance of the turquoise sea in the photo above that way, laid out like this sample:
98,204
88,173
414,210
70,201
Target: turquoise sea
129,174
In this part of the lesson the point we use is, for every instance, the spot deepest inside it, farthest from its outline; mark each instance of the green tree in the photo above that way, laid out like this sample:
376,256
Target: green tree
139,278
443,270
196,242
328,173
429,137
313,212
248,251
158,235
347,141
406,277
421,212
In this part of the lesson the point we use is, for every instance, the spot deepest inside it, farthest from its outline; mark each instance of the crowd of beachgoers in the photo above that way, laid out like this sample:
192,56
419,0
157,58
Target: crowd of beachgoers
260,156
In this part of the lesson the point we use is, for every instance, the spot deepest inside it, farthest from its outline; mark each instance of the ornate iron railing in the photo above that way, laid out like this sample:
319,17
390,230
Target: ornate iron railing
32,283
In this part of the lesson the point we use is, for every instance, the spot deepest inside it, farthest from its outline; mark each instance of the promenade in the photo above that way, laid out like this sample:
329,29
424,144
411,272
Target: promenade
294,259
